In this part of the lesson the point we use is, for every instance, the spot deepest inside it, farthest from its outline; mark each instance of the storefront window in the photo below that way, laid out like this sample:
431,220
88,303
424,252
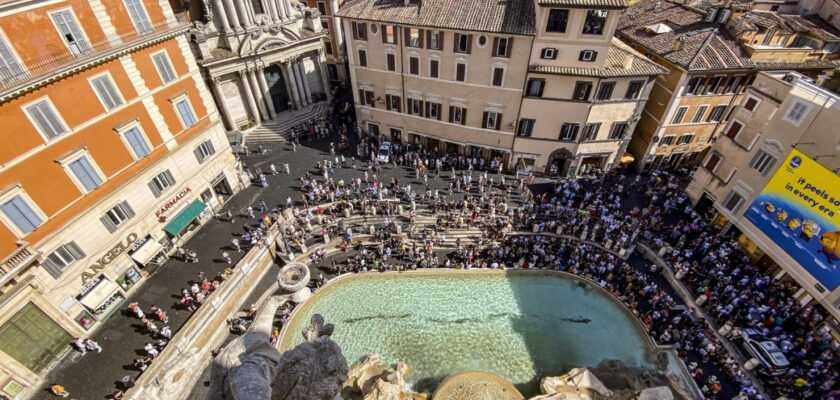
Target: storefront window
85,320
130,278
100,296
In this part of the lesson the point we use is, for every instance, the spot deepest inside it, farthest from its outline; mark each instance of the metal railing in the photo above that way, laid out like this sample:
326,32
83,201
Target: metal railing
81,52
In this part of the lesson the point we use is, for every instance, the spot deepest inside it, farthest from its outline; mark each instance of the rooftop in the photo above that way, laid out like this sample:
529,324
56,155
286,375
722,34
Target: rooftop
507,16
614,66
787,24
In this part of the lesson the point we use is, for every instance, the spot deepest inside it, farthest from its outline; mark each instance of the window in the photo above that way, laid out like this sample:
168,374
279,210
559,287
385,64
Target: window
557,20
525,127
393,103
588,55
138,16
462,43
482,41
634,90
457,115
415,37
712,162
413,65
568,131
492,120
435,39
85,173
733,201
605,91
322,8
461,72
717,113
548,53
10,68
535,87
164,68
678,117
751,103
137,142
106,91
618,130
734,84
362,58
433,110
797,112
594,23
328,47
69,30
391,62
501,47
185,112
116,216
590,131
686,139
325,25
415,107
366,98
65,255
582,90
161,182
694,85
698,115
434,68
667,140
389,34
359,31
45,119
763,162
203,151
19,212
716,84
734,129
498,76
256,6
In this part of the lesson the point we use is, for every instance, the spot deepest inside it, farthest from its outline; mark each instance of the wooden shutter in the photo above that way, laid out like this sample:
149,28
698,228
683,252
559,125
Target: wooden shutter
108,224
469,43
384,35
407,36
209,146
456,36
451,113
51,267
440,40
127,209
75,250
399,104
496,46
427,109
428,37
154,188
198,157
440,109
542,86
498,121
420,38
508,50
362,96
484,120
464,116
169,174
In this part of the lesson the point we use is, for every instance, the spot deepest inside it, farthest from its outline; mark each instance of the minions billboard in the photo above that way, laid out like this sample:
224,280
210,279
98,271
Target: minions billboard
799,209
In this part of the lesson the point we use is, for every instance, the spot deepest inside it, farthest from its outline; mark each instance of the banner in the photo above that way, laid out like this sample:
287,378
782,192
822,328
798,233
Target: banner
799,210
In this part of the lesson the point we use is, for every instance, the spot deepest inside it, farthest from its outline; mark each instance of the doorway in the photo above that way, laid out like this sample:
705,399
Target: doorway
558,163
221,187
33,339
277,87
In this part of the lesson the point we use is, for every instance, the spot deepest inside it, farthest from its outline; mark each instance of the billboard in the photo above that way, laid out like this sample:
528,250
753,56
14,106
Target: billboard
799,210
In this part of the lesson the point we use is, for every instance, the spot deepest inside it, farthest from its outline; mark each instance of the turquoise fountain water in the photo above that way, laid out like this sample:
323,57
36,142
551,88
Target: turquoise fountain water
521,325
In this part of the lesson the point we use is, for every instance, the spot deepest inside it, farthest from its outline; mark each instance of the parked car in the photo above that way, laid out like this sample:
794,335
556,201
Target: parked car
765,351
384,152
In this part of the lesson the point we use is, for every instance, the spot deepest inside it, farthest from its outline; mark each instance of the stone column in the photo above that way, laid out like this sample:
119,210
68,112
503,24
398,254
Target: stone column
305,82
290,78
271,10
325,78
243,13
258,94
232,14
337,31
223,109
299,82
288,7
280,9
272,113
225,26
249,96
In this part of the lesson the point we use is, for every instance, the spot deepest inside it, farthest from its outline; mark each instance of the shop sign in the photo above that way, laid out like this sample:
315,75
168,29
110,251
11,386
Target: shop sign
172,202
106,259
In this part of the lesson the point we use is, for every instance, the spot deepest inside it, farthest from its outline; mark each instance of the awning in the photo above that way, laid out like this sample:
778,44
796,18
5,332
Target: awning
96,296
147,251
627,157
184,218
234,137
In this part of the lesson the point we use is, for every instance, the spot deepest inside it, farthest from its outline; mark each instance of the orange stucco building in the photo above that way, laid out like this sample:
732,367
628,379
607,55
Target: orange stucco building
113,152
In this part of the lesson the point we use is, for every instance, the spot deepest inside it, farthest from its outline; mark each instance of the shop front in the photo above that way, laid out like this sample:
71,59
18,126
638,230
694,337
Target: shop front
148,253
101,297
592,163
221,186
187,220
525,163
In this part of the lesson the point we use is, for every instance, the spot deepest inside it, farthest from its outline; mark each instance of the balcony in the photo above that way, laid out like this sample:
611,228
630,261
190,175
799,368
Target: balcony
39,71
17,262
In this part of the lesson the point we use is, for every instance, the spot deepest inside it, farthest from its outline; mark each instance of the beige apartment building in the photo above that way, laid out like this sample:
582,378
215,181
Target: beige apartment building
712,54
781,116
537,86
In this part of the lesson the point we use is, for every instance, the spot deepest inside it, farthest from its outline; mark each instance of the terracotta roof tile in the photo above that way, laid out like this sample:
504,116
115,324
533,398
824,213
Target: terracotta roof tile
508,16
613,67
584,3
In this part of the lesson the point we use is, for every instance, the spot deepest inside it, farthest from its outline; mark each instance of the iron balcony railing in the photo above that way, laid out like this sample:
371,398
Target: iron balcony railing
61,60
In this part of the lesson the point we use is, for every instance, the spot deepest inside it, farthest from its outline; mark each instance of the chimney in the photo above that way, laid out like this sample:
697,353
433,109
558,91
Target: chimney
627,63
679,42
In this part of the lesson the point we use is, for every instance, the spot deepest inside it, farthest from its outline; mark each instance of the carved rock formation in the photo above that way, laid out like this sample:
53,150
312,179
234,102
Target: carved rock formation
375,381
